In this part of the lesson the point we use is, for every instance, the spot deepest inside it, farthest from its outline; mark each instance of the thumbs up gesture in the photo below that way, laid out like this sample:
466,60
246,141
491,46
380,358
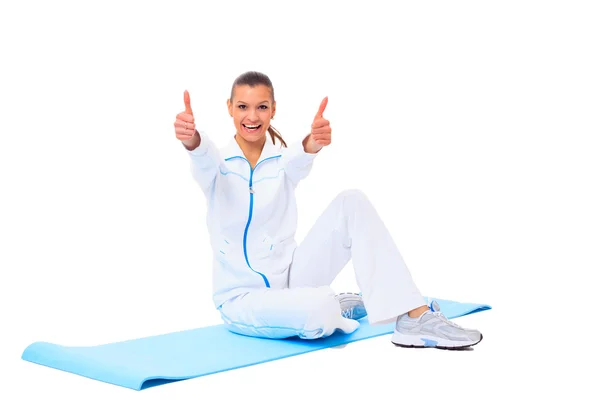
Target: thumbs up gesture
185,128
320,133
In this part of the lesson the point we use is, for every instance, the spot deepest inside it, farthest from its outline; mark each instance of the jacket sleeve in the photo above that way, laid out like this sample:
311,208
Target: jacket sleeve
296,162
204,162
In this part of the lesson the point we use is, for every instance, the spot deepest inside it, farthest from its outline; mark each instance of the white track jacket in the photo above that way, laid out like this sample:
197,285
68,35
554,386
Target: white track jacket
251,213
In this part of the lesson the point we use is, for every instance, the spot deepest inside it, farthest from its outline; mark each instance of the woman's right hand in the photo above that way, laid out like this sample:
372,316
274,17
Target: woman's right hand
185,128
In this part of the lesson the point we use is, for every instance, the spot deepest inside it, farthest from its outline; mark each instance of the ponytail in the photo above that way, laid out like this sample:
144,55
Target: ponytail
275,134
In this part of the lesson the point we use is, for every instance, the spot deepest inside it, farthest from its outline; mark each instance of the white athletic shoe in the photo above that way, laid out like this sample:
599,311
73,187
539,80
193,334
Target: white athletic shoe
433,329
352,305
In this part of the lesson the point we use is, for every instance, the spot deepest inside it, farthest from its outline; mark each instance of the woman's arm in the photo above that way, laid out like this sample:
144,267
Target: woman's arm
298,159
204,156
204,160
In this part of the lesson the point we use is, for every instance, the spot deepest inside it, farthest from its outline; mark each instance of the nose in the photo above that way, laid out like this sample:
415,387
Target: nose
253,116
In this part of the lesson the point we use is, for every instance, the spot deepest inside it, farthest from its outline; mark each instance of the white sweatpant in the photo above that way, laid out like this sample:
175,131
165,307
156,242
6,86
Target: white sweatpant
349,228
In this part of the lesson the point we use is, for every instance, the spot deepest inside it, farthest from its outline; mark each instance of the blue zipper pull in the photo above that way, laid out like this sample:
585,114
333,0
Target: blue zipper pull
251,190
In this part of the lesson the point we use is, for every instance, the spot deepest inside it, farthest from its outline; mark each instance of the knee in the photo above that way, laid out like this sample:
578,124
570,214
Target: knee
353,194
352,199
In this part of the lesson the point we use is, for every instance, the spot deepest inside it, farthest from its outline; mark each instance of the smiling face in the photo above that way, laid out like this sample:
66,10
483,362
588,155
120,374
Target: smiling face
251,108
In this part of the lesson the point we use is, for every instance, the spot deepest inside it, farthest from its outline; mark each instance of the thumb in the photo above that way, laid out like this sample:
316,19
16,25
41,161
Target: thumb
322,108
186,100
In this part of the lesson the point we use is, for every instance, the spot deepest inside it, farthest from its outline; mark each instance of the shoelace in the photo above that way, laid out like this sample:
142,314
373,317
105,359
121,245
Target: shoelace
443,317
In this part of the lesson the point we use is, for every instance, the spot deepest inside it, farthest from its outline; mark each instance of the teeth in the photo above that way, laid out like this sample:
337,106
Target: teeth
251,126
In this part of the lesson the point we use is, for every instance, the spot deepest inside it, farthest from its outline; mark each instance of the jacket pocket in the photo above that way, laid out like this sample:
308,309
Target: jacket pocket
268,247
222,248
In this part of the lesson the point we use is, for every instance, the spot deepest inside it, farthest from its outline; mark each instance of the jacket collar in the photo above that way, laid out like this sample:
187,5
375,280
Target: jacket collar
269,149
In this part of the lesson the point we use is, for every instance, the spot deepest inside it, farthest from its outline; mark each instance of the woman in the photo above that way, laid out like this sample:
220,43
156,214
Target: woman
267,285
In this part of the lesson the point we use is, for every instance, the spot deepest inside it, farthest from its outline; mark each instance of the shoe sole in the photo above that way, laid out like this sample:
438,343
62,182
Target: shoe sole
412,346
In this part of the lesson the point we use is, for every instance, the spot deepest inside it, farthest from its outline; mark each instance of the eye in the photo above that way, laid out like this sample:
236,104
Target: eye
242,106
263,107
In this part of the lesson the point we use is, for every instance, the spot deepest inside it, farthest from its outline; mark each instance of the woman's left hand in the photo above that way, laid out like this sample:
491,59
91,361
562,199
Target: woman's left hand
320,133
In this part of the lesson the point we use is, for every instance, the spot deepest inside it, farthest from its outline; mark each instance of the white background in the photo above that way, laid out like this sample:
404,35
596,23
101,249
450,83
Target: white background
472,126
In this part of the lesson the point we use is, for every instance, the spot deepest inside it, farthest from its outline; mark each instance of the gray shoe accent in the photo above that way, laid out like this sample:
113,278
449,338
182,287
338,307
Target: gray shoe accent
351,305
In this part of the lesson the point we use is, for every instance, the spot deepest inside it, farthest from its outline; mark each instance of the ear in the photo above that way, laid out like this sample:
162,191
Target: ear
273,109
230,108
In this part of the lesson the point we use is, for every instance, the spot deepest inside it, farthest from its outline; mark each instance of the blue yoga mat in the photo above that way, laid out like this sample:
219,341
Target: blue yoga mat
146,362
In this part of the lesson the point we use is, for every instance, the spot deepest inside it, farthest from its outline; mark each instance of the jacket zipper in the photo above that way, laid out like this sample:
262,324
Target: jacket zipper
251,191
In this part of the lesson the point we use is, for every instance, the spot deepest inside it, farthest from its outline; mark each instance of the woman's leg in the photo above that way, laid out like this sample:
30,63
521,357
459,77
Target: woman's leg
350,228
308,313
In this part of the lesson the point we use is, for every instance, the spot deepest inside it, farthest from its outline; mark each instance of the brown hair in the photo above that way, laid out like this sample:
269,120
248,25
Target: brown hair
252,79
